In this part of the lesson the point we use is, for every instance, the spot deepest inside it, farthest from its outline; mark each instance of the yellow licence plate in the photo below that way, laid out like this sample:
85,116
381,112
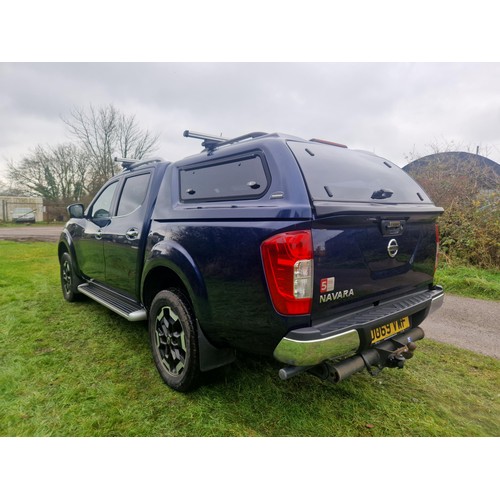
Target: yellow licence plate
389,329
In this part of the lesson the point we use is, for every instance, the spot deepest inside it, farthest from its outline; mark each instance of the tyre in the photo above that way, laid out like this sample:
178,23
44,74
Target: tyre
69,280
174,340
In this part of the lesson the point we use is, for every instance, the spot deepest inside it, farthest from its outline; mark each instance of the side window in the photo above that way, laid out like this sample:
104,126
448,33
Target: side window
101,208
237,179
133,194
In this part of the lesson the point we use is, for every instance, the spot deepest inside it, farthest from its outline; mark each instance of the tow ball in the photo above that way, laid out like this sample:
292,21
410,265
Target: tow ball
392,358
398,357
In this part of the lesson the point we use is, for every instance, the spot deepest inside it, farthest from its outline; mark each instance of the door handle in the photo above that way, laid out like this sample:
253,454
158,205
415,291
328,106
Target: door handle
132,234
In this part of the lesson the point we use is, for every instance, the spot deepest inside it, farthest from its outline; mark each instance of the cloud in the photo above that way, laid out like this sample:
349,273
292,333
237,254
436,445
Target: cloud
389,108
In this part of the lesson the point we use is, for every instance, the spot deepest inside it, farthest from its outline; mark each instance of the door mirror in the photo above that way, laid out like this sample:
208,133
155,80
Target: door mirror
75,211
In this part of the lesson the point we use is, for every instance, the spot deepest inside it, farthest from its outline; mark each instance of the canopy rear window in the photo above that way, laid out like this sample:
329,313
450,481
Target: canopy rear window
338,174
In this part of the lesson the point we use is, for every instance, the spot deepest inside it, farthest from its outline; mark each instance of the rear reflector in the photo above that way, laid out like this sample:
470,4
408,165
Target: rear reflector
288,266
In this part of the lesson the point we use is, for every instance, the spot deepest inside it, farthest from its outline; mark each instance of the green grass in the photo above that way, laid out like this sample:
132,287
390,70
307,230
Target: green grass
21,224
470,281
80,370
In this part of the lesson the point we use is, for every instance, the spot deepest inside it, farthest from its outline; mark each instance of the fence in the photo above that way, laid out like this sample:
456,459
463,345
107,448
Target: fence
55,212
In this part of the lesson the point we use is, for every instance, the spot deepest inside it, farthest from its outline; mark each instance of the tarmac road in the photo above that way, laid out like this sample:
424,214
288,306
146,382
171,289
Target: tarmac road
467,323
26,232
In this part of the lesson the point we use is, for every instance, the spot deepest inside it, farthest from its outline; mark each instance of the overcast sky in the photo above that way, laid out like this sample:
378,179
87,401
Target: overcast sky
392,109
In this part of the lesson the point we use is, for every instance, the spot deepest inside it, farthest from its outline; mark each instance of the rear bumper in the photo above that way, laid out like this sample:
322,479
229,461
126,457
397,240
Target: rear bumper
349,334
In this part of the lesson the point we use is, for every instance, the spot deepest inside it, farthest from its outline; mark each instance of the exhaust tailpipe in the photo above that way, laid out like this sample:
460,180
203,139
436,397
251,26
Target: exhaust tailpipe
391,352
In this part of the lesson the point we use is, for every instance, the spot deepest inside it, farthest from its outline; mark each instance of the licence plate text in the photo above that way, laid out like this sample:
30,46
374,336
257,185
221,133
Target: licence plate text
389,329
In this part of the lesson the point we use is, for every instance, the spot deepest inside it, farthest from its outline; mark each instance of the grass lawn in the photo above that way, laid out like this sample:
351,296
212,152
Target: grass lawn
81,370
470,281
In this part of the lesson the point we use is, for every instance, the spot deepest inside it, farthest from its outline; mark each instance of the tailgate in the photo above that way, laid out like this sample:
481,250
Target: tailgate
360,259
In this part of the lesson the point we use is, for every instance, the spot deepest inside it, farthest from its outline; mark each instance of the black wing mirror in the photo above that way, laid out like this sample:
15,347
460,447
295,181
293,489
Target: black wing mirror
75,211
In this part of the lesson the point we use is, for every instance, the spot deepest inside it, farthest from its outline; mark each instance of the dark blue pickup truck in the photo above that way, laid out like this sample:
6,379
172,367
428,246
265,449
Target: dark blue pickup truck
305,250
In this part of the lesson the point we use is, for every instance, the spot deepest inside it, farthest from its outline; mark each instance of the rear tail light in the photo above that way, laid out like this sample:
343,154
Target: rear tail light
288,266
437,249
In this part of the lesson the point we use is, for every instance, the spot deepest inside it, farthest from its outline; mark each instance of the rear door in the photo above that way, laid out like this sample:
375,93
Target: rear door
374,232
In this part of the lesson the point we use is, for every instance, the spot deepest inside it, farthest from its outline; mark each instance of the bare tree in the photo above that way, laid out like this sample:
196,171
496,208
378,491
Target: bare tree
56,173
95,132
101,132
448,146
68,172
9,189
3,188
134,142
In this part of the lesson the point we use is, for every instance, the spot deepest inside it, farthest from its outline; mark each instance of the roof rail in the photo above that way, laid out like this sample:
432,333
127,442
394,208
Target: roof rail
329,143
251,135
211,142
129,163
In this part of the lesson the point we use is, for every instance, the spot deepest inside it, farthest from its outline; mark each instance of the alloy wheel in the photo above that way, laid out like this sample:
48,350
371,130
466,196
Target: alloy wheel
171,341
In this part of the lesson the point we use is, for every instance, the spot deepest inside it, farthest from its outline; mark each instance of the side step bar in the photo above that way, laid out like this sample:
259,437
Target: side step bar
127,308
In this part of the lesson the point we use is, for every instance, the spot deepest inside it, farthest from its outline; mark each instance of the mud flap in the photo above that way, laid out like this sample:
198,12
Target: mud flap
212,357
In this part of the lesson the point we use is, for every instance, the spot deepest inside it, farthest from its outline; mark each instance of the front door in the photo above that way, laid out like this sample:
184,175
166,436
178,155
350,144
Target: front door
89,246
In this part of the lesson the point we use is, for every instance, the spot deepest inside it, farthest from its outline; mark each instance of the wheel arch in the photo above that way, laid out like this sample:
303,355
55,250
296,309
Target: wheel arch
172,267
161,277
66,245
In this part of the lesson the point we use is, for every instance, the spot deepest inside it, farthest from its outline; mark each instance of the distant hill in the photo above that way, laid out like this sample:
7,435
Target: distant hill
456,158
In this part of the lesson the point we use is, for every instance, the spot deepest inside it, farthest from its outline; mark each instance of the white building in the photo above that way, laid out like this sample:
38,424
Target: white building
11,207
